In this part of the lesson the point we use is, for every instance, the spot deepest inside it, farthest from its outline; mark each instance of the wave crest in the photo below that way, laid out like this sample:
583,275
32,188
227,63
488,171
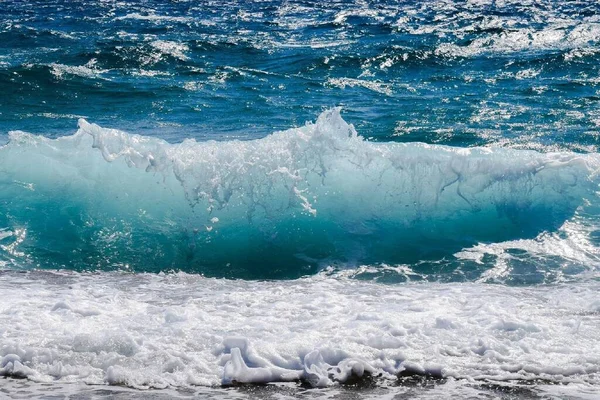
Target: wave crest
281,206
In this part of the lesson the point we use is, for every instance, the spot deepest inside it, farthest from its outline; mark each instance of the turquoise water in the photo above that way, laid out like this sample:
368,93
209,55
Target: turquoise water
353,148
516,76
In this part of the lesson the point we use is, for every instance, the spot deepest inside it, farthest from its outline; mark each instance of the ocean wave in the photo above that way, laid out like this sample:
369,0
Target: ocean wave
379,87
581,36
89,70
155,18
170,48
281,206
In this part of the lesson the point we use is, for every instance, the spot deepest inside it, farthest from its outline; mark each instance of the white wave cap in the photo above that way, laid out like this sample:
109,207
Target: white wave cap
329,155
157,331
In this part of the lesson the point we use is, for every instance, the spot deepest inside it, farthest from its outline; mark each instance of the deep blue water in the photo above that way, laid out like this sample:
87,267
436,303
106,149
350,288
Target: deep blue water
492,74
457,73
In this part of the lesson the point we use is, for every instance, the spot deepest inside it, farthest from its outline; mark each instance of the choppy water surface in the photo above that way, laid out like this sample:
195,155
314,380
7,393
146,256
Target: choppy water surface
347,199
510,73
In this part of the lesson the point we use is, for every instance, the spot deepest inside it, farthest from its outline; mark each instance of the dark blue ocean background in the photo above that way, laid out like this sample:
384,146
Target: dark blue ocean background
473,73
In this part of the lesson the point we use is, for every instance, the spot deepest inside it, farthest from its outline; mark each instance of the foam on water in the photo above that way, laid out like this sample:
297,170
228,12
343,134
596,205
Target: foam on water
558,37
463,263
179,330
306,197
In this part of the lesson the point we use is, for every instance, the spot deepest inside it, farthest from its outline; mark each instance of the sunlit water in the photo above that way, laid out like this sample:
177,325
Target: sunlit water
341,200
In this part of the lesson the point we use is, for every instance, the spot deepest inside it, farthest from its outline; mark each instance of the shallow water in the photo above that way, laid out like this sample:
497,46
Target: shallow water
293,199
182,331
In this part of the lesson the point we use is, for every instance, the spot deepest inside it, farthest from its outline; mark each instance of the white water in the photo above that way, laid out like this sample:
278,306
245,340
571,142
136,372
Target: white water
157,331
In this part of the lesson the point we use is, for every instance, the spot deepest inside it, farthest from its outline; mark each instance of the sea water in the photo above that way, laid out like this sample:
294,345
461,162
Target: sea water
291,198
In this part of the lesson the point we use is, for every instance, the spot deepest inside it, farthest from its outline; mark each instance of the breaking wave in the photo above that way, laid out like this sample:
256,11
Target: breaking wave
278,207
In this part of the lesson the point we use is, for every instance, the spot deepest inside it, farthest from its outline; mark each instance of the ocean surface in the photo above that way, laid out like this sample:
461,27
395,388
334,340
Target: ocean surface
279,199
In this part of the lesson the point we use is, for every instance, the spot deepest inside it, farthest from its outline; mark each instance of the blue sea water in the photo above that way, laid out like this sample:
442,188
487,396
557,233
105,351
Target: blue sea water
240,150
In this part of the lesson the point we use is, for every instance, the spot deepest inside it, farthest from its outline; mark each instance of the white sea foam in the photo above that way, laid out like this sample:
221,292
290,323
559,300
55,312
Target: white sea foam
180,330
149,73
571,245
89,70
155,18
174,49
379,87
526,39
374,14
60,116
